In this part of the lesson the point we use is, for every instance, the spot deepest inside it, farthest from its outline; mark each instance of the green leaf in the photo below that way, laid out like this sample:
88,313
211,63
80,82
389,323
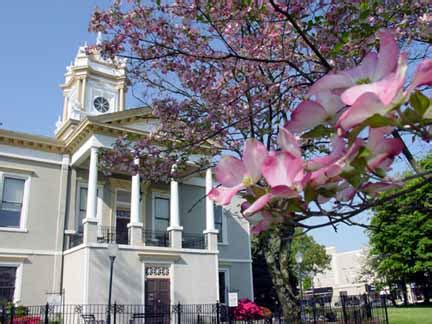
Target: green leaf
319,131
353,177
377,121
309,193
419,102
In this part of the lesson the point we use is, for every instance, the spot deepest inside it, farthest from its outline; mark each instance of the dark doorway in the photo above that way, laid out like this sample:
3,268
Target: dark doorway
157,301
222,287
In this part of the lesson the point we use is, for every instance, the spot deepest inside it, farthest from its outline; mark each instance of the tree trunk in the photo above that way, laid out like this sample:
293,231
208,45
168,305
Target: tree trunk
276,251
404,293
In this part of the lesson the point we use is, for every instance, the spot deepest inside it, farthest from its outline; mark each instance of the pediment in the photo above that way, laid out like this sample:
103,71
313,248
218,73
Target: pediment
140,119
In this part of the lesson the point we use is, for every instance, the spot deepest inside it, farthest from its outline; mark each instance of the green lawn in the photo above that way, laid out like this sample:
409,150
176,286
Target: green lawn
410,315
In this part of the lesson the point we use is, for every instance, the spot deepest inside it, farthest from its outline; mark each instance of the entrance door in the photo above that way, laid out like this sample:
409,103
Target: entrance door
123,199
157,301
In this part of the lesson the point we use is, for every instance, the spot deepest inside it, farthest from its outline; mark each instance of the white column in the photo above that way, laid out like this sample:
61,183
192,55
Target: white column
210,232
135,198
92,185
210,223
175,229
174,205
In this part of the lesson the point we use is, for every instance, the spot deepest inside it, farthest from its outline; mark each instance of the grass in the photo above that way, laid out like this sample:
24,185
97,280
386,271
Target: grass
410,315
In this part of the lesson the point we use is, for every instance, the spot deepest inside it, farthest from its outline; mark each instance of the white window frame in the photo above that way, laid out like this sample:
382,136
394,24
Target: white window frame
77,203
224,228
18,278
116,190
164,195
25,203
227,282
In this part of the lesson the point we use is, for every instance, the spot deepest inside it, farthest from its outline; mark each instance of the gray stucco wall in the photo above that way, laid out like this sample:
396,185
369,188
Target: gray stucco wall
36,279
193,275
39,248
239,278
42,209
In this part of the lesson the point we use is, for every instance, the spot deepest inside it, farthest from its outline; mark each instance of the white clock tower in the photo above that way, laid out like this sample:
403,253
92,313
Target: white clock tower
93,86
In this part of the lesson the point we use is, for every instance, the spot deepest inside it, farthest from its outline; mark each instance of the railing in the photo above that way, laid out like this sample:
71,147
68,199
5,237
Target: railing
111,234
193,241
74,240
156,238
368,312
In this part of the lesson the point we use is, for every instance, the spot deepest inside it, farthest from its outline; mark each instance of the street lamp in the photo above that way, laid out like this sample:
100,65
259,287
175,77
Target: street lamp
299,261
112,254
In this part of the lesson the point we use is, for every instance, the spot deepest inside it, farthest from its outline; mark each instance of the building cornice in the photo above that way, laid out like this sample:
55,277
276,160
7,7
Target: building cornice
30,141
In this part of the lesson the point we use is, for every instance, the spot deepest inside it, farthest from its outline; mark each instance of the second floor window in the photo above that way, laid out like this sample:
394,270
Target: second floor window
81,204
218,216
12,196
162,213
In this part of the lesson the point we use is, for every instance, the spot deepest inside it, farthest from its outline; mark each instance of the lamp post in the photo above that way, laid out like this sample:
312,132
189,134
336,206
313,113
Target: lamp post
299,261
112,254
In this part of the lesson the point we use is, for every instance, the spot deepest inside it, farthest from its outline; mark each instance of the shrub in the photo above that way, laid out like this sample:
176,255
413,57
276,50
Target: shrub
248,310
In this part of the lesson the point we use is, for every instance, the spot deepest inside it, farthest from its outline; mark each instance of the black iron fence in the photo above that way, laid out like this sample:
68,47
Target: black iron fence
193,241
111,234
156,238
364,310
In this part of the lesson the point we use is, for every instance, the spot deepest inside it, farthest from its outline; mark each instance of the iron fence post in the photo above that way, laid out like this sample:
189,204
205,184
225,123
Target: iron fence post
12,313
344,314
314,308
46,313
384,303
217,313
115,312
3,317
179,313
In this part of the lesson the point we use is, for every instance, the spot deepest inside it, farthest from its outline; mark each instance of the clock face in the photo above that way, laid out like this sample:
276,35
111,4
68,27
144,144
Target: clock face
101,104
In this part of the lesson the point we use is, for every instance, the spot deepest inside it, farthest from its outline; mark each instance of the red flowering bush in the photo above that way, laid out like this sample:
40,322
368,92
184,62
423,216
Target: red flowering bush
248,310
28,319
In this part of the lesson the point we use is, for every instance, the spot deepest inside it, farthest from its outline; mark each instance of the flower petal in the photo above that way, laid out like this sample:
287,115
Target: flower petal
331,103
223,195
288,142
331,82
259,204
386,89
254,155
367,105
388,54
281,169
422,75
377,187
308,114
365,70
284,192
230,171
338,149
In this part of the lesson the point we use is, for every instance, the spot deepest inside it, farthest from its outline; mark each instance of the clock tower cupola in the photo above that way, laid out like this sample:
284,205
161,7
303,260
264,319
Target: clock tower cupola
93,86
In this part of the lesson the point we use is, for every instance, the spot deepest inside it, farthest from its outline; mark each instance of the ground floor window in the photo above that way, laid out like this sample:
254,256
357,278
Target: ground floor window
7,283
223,286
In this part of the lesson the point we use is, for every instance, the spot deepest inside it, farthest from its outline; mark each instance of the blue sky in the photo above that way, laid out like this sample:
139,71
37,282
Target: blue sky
39,39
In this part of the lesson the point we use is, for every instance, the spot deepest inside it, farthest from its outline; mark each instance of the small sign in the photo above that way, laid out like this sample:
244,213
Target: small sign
54,299
232,299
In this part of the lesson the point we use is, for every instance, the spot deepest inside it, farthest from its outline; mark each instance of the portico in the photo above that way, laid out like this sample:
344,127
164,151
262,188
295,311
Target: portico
139,231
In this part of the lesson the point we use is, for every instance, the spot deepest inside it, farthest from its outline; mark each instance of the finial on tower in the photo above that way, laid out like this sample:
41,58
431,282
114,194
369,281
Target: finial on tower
99,38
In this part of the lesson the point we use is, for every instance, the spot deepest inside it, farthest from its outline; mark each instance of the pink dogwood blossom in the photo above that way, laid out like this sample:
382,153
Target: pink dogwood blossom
235,174
374,67
311,113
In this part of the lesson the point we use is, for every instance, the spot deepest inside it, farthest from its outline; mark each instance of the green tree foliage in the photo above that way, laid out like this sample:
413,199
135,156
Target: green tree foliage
401,236
315,260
